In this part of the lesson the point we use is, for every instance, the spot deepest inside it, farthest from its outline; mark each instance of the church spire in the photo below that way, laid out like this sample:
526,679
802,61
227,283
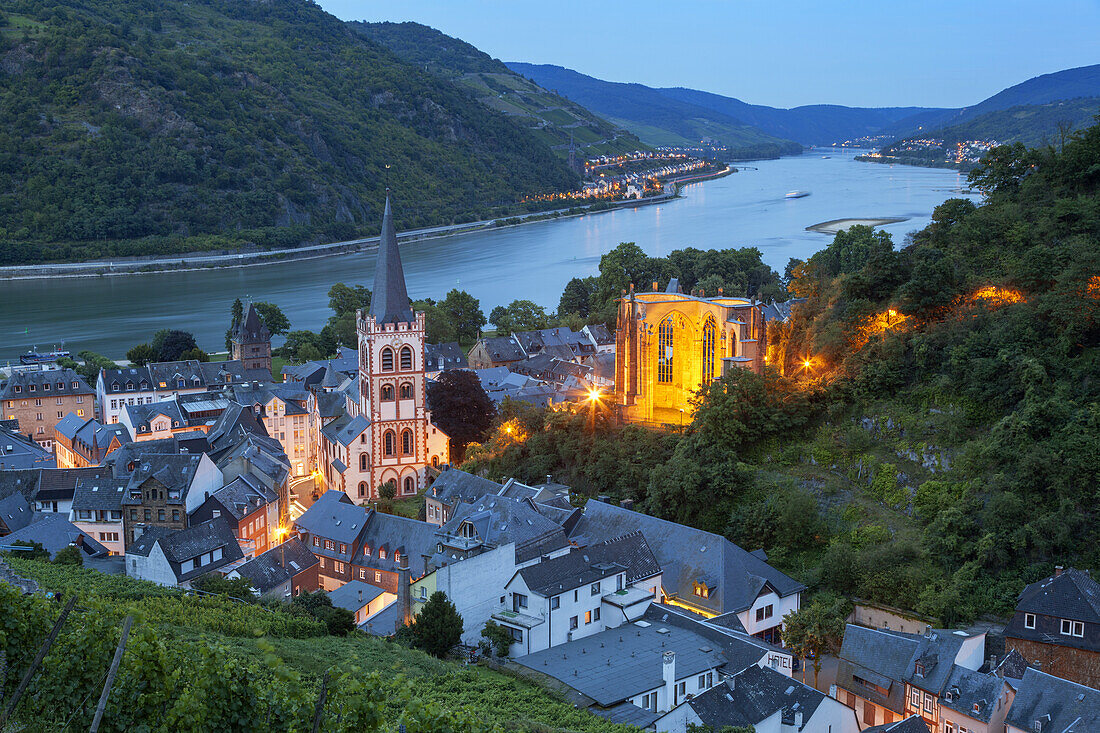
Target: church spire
389,301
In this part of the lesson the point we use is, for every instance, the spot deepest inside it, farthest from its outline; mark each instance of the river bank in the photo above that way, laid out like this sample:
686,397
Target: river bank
834,226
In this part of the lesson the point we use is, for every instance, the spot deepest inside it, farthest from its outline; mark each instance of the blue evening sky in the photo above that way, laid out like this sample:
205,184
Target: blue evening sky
935,53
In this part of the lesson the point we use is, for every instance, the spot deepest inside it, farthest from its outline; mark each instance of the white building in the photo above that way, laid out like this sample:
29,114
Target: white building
116,388
177,558
579,594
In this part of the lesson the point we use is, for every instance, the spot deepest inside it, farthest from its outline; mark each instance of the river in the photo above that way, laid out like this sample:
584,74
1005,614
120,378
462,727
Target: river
533,261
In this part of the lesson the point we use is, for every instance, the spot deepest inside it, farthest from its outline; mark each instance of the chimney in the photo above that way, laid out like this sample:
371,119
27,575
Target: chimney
1058,570
360,595
668,673
719,291
655,286
549,478
798,719
404,591
627,504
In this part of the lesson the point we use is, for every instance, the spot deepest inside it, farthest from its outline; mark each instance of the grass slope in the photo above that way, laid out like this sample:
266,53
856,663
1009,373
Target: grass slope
248,634
127,129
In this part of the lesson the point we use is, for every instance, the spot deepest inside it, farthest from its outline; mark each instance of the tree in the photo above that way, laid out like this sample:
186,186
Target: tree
817,628
438,626
464,311
388,490
195,354
93,362
37,552
272,316
141,355
438,328
236,314
170,344
519,315
344,299
69,556
461,408
498,638
218,584
577,297
339,621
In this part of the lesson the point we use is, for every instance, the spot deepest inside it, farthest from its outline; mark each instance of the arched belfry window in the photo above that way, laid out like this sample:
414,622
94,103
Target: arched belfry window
708,350
389,444
407,443
406,358
664,352
387,393
406,391
387,359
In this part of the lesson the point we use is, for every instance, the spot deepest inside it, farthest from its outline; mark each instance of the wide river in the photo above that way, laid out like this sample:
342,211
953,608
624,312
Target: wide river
533,261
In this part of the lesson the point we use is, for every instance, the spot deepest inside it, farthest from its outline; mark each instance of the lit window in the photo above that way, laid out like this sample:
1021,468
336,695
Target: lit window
664,353
708,350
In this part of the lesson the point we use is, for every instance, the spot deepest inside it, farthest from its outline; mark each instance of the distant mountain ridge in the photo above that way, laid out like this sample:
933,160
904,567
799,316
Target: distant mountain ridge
549,117
656,118
819,124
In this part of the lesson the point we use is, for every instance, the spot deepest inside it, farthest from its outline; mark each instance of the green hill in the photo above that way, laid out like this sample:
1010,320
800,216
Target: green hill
206,664
128,129
552,118
654,117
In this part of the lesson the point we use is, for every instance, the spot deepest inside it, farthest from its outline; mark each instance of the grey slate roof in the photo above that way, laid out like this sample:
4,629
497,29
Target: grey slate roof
15,512
278,565
617,664
385,622
443,357
345,429
754,695
498,520
628,553
55,532
144,543
99,493
415,540
503,348
688,555
59,484
197,540
626,713
354,594
251,329
1062,706
61,382
23,480
334,517
1073,595
453,485
175,472
330,404
244,495
913,724
17,451
972,693
389,300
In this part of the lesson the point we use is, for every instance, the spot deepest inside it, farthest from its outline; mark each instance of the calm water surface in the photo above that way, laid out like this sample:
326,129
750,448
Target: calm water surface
534,261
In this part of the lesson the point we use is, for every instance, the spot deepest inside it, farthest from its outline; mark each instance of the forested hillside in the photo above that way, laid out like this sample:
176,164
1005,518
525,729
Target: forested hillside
128,127
929,433
550,117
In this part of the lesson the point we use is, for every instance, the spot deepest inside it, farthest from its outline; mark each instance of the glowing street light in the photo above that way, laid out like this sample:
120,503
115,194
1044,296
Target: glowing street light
594,395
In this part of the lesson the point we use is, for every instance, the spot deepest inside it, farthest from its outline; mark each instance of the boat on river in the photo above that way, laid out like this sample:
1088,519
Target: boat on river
34,357
797,194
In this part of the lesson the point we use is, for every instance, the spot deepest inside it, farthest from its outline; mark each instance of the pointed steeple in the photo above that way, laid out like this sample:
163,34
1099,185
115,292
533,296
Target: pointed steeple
251,329
389,302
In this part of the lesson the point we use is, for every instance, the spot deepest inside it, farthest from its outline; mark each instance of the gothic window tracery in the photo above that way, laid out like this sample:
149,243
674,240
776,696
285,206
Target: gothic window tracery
387,359
389,444
664,352
406,358
406,391
407,442
387,393
708,350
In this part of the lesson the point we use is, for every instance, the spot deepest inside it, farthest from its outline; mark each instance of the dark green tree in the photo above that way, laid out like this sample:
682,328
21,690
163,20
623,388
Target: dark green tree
438,627
519,315
343,299
240,588
272,316
497,637
817,628
461,408
69,556
170,344
141,355
577,297
464,312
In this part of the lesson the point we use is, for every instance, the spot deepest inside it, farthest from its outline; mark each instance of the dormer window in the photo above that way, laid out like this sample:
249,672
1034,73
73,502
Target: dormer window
18,389
382,553
114,387
918,668
1072,628
466,530
701,590
75,384
1029,621
181,383
31,387
46,386
366,550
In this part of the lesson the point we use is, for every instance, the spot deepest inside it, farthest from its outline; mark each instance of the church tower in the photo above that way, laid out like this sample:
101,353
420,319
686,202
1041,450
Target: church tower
392,381
251,342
